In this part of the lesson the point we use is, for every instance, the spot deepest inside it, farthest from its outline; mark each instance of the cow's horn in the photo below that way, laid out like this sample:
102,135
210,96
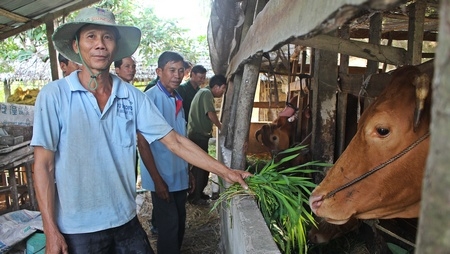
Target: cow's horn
422,84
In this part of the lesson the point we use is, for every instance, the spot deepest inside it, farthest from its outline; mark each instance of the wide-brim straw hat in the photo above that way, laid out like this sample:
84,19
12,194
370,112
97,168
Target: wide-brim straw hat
126,43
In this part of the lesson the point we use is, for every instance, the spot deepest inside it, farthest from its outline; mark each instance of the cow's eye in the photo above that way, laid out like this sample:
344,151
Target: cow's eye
383,131
274,138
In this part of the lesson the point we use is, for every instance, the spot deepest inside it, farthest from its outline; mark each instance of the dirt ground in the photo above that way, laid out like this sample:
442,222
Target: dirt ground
202,234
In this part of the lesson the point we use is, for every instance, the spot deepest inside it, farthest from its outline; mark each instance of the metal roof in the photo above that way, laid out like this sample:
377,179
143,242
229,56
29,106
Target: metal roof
17,16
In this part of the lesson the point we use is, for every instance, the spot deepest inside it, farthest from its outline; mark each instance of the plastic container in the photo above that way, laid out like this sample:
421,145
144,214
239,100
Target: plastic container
36,244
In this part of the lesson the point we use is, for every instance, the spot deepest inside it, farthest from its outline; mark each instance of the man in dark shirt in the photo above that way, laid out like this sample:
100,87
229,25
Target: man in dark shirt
188,90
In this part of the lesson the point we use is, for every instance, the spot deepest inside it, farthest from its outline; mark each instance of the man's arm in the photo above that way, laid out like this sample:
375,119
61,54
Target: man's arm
44,185
194,155
213,117
147,157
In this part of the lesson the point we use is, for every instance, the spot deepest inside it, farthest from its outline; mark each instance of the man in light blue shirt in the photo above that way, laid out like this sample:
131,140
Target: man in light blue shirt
84,138
169,180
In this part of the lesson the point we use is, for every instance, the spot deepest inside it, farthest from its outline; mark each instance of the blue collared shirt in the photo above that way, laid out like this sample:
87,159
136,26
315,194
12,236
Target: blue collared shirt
172,168
95,151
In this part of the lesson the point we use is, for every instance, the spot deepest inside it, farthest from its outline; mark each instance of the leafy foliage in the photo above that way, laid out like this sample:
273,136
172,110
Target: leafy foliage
282,196
158,35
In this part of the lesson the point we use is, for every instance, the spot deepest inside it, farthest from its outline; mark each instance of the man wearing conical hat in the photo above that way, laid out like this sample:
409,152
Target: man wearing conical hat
84,138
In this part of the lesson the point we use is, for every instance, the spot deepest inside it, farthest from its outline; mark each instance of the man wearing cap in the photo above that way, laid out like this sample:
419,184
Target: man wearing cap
84,138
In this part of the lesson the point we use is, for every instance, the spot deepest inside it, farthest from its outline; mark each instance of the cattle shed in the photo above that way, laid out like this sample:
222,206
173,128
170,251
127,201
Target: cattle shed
318,38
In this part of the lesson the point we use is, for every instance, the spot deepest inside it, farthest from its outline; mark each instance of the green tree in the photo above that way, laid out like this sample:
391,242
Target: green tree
23,47
158,35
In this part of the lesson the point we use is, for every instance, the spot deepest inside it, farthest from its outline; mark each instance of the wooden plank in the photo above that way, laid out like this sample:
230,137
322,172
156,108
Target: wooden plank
266,104
342,99
352,83
243,115
230,105
394,35
374,38
13,16
11,158
324,107
415,29
11,148
18,162
380,53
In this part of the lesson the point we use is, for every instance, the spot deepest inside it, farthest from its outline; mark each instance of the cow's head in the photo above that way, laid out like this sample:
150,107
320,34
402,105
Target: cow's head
275,136
391,124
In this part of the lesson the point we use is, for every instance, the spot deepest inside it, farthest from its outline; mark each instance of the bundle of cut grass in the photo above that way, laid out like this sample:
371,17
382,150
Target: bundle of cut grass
282,196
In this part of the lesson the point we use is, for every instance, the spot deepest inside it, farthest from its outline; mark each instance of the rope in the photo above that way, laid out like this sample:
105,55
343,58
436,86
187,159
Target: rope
382,165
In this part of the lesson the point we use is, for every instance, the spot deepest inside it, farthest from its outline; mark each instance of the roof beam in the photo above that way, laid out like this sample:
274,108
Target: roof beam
394,35
49,17
379,53
13,16
292,22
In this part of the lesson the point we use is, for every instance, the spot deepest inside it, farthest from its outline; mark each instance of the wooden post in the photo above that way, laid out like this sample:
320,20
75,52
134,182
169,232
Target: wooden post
341,115
7,89
415,31
374,38
434,225
303,64
243,115
389,43
30,185
51,50
324,106
229,119
13,184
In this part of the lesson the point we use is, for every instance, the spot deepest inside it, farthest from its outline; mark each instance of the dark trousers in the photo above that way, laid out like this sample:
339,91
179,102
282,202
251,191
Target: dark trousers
125,239
170,219
200,175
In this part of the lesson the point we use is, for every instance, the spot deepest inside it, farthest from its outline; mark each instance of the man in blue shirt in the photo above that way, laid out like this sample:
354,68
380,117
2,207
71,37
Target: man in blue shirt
169,180
84,137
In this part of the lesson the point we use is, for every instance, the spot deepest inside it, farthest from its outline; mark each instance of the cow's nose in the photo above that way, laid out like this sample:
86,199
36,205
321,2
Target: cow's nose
315,201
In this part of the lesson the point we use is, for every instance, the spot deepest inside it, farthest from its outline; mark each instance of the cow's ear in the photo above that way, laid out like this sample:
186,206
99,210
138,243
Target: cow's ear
281,121
422,84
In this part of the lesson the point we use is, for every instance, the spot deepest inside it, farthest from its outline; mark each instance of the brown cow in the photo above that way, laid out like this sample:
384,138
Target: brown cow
380,173
277,136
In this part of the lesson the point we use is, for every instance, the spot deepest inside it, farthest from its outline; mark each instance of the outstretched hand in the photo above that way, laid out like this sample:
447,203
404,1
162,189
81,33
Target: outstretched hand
237,176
